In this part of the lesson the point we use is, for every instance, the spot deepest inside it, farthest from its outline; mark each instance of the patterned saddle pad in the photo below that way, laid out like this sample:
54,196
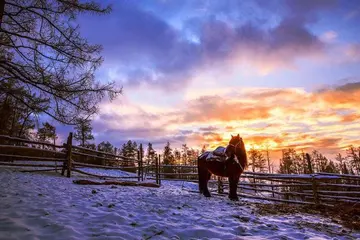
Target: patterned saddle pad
217,155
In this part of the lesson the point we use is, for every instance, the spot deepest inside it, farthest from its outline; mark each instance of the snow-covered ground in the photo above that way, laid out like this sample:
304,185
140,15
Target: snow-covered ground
49,206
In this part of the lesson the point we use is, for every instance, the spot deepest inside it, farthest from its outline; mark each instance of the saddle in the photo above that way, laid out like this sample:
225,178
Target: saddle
217,155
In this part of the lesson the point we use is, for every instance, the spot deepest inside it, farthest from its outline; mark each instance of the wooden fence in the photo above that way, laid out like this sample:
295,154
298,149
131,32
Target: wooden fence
71,158
318,188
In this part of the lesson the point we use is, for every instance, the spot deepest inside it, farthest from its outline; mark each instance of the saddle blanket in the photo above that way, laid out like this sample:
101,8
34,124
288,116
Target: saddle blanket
217,155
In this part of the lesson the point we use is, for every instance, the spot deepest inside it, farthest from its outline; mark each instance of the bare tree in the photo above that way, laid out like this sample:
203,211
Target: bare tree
51,65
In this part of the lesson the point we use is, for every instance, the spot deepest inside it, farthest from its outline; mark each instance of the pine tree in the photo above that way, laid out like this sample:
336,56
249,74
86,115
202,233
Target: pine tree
177,156
184,154
47,133
17,119
105,147
257,160
129,150
354,158
192,156
341,160
168,159
287,161
83,132
150,155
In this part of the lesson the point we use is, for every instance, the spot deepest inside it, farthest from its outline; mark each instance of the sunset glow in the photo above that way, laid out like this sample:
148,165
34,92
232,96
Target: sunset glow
196,72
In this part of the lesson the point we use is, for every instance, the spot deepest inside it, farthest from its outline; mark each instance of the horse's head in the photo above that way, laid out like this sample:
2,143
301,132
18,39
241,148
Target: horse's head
236,147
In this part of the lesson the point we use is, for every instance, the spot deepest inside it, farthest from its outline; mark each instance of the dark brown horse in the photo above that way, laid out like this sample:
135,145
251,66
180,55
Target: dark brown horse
231,165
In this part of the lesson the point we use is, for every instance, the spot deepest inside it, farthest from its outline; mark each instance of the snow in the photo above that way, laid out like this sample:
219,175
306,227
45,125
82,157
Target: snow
49,206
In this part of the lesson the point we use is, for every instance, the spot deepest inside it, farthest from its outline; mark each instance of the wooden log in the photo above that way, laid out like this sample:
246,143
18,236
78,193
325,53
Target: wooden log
41,159
22,148
26,165
123,183
29,141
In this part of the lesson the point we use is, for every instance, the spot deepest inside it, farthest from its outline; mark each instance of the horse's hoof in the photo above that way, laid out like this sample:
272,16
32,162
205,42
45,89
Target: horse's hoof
207,194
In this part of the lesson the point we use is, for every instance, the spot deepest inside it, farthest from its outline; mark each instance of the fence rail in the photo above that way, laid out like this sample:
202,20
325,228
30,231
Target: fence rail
71,158
317,188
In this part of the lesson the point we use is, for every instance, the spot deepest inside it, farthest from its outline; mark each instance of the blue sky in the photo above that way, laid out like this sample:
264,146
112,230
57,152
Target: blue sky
232,66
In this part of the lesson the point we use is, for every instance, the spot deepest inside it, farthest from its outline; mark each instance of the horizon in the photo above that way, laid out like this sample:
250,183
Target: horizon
282,74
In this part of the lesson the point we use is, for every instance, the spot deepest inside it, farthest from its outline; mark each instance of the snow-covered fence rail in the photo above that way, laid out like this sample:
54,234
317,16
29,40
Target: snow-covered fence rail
318,188
21,152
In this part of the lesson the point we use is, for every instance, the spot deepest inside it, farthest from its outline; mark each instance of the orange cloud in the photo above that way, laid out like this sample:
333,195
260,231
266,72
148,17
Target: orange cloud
264,117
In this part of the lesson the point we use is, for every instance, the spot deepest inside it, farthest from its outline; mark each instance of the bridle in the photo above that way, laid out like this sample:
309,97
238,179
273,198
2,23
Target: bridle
235,147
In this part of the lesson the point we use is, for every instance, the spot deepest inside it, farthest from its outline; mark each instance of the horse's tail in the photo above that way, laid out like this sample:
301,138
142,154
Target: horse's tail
198,167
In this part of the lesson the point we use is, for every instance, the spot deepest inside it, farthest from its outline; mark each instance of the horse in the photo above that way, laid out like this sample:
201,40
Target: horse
230,162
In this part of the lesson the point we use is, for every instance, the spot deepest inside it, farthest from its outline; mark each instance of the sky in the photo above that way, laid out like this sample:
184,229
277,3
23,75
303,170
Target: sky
281,73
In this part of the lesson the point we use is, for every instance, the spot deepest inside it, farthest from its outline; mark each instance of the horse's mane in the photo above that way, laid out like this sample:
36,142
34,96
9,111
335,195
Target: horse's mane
242,158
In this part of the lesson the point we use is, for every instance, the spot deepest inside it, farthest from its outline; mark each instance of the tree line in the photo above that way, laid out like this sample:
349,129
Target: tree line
291,162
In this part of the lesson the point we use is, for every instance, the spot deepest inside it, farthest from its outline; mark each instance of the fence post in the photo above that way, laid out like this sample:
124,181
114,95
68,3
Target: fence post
139,166
156,170
66,161
159,165
220,185
315,192
54,149
68,156
141,163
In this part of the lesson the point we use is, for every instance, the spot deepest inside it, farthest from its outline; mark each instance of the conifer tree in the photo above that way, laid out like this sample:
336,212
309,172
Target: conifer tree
83,132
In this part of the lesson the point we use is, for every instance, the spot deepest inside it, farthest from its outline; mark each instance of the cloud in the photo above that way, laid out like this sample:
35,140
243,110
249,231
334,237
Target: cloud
216,108
343,96
329,36
142,45
209,128
352,52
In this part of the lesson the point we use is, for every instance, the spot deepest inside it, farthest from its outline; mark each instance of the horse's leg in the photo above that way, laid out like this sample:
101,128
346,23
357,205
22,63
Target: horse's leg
206,190
201,180
201,177
233,181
